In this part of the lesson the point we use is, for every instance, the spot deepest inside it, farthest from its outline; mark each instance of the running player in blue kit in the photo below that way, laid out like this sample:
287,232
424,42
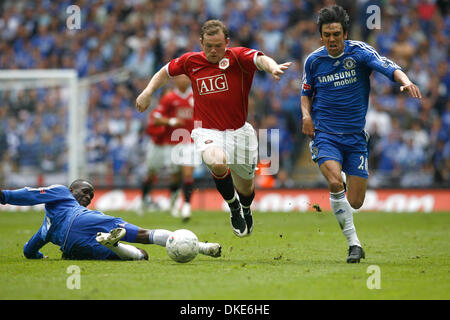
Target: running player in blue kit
82,233
334,102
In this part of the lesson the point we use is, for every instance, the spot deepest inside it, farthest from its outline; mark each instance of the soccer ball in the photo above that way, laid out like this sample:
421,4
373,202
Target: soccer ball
182,245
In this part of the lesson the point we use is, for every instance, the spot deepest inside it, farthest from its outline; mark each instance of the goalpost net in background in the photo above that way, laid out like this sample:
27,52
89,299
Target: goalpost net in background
56,127
42,127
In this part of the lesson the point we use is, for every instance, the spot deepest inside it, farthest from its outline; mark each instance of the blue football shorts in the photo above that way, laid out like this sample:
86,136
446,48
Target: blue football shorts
81,243
350,150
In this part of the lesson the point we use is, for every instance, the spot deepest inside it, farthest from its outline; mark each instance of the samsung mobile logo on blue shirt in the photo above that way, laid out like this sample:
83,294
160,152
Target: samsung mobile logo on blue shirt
339,78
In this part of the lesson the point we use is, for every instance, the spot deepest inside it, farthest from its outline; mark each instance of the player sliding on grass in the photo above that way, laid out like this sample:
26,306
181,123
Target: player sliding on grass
334,103
221,79
82,233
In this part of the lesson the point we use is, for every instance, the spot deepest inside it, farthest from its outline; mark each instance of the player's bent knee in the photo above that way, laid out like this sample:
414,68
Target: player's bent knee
336,186
356,203
219,169
214,156
244,187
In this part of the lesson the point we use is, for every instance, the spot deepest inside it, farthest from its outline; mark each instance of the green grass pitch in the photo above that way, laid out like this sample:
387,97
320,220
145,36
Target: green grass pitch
288,256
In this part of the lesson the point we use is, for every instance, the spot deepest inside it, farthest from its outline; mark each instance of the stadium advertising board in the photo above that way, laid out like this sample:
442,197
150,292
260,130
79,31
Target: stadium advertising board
278,200
286,200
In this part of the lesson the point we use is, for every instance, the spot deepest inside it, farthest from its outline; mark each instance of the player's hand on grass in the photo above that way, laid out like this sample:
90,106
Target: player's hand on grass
279,70
143,101
412,89
308,127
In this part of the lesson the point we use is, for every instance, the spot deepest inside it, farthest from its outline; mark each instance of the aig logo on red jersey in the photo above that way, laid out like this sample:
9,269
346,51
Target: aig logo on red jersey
212,84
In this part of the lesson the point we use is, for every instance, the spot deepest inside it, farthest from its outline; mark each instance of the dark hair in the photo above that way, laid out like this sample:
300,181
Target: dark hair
79,182
333,14
212,27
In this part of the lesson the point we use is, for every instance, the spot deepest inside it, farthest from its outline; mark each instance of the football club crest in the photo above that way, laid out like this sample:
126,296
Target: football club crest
349,63
224,63
315,151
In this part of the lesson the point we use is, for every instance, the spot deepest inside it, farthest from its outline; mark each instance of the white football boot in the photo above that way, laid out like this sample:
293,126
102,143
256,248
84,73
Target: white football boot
110,239
210,249
186,211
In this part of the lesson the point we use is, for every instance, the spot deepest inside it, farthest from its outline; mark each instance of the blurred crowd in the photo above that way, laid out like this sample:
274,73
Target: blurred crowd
410,144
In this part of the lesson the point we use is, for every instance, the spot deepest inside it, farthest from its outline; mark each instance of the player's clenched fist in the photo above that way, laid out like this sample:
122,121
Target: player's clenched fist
308,127
143,101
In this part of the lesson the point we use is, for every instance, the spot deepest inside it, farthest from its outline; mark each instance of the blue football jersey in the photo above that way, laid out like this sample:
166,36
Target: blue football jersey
60,209
340,86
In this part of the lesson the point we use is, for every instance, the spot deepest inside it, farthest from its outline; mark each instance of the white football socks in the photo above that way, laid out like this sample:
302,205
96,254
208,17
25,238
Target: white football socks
343,212
127,252
203,247
159,236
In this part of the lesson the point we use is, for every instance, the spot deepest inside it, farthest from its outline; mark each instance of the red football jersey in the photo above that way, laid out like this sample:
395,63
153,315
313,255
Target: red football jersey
220,89
156,132
173,104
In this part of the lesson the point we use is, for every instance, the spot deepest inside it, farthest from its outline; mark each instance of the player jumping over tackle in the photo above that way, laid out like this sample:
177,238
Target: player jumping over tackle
221,79
82,233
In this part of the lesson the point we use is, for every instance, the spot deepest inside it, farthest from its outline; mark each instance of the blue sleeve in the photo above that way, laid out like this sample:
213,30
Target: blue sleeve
32,196
308,79
31,248
378,63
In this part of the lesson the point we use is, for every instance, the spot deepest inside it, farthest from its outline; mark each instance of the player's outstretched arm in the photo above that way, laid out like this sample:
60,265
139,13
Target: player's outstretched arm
406,84
31,196
171,122
307,122
31,248
269,65
158,80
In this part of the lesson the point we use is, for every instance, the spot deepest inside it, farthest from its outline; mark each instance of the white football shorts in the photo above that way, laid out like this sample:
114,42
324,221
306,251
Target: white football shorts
185,154
240,146
159,157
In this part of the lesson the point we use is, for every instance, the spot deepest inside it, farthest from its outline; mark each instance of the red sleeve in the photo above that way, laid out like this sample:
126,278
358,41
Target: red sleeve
247,58
178,66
